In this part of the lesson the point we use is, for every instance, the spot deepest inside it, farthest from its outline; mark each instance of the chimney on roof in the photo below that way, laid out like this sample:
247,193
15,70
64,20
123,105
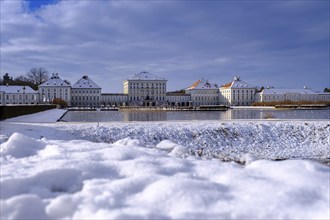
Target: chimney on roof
237,78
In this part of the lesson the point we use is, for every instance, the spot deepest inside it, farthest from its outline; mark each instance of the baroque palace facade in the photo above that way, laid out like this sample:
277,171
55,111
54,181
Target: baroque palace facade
146,89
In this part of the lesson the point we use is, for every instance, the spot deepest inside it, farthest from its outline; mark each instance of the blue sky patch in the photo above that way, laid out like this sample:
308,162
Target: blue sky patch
36,4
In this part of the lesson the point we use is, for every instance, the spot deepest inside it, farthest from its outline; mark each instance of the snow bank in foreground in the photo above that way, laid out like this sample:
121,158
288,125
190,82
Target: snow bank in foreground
223,140
79,179
20,145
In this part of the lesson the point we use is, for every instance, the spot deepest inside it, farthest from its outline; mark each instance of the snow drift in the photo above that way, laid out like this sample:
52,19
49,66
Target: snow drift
223,140
165,170
129,179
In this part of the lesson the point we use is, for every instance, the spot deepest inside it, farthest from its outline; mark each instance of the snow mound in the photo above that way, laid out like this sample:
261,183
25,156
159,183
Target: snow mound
248,159
137,171
129,142
166,145
62,207
44,184
88,180
26,206
19,145
173,148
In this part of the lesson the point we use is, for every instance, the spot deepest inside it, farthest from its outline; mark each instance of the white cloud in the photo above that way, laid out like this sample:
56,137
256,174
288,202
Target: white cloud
110,40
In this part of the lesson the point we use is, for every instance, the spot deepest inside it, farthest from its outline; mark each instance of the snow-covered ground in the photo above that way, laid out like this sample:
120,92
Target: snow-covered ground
163,170
40,117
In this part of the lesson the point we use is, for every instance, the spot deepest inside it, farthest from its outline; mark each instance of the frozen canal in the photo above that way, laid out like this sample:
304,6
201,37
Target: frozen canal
231,114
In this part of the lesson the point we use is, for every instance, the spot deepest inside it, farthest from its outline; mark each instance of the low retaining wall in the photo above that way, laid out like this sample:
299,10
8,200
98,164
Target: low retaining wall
10,111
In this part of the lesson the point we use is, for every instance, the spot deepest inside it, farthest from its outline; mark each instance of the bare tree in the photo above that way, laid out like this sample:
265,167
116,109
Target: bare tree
38,75
21,78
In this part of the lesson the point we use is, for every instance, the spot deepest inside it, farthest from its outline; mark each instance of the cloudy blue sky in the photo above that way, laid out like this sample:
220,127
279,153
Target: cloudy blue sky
284,44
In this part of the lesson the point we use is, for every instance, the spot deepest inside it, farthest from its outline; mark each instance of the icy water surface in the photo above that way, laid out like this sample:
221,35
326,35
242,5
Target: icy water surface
104,116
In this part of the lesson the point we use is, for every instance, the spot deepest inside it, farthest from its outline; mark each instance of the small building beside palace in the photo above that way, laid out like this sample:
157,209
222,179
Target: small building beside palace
202,92
18,95
113,99
145,89
237,93
86,93
178,99
55,87
276,95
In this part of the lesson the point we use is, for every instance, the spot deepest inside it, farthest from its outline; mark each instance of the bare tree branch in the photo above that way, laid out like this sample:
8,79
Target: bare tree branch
38,75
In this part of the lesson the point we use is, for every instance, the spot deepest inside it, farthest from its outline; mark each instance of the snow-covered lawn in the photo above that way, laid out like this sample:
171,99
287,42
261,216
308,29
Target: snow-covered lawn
164,170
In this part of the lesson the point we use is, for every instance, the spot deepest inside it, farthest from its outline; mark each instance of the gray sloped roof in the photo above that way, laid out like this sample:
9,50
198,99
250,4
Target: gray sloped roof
55,80
202,84
284,91
85,83
17,89
145,76
237,83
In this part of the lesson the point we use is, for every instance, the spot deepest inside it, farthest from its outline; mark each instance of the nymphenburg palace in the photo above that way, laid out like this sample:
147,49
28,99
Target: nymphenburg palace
146,89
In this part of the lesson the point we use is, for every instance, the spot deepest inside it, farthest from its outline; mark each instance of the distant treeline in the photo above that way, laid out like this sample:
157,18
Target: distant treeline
33,78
